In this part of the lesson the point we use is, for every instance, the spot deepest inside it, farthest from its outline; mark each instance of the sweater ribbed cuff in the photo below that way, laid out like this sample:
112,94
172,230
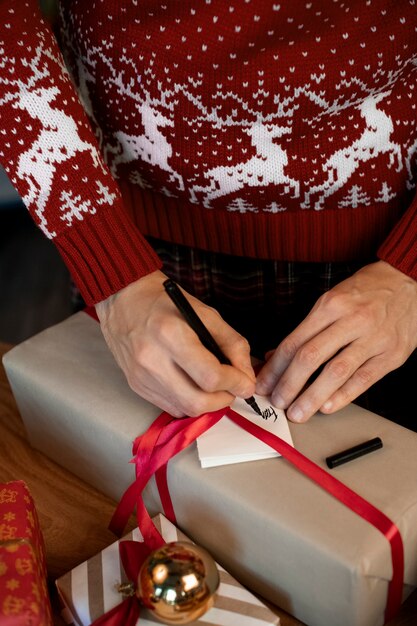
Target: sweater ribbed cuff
105,253
400,248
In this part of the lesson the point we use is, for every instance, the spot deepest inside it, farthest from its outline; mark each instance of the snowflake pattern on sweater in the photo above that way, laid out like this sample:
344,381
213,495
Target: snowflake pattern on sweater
47,141
254,100
249,118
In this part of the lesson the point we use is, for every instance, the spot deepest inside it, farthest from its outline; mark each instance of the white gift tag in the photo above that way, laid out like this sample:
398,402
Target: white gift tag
227,443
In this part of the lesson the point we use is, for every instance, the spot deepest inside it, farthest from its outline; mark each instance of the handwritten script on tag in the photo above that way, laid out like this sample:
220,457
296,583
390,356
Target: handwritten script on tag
226,443
269,412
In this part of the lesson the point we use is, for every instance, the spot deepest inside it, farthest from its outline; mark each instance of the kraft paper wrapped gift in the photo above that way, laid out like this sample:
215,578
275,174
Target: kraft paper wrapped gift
90,590
24,597
272,528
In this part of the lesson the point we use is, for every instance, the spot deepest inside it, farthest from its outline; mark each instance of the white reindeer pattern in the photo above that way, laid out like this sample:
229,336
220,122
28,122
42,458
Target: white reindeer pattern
375,140
264,168
151,147
58,141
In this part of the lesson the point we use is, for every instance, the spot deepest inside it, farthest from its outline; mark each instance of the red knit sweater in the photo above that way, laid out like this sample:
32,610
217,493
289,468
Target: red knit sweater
275,130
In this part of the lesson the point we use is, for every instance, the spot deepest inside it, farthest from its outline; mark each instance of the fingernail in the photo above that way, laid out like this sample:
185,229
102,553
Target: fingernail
295,414
327,405
278,401
261,388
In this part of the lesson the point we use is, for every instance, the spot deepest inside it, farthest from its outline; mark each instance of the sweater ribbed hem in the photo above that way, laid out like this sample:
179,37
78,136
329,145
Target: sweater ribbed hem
303,235
400,248
106,254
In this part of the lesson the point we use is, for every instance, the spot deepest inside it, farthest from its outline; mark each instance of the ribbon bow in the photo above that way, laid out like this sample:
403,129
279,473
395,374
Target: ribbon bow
164,438
133,554
168,436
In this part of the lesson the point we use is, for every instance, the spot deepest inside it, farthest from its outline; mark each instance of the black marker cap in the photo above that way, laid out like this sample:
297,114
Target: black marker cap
353,453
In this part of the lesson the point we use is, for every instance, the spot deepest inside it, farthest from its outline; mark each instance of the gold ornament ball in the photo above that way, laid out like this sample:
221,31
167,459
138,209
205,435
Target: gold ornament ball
177,582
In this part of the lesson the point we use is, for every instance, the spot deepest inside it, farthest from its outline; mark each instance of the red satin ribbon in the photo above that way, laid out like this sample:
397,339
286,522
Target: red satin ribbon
133,555
167,436
348,497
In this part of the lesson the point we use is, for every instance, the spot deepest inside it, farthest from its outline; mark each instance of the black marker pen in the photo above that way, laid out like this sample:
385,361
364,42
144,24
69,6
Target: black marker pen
354,452
208,341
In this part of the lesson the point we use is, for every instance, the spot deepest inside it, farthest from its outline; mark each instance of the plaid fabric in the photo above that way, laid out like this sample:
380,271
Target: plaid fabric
266,300
263,300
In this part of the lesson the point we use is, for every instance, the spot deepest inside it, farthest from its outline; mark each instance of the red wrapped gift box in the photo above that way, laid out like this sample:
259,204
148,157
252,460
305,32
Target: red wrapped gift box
24,599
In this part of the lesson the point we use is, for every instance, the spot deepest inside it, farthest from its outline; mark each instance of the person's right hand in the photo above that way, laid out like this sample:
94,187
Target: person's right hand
162,357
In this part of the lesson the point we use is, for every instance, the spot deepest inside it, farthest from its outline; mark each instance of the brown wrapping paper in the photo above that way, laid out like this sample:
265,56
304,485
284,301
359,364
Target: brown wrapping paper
271,527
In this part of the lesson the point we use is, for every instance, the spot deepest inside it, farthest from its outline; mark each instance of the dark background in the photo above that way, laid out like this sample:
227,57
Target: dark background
35,288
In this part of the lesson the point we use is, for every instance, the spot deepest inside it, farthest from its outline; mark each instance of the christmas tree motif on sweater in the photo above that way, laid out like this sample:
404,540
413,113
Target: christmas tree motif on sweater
136,178
386,193
266,167
73,206
57,141
375,140
355,197
241,206
275,207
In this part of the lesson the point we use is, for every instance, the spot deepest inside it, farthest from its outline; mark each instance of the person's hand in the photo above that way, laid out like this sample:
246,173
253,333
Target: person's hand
360,330
162,357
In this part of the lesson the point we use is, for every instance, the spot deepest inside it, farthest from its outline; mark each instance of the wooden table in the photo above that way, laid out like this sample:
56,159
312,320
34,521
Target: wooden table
73,515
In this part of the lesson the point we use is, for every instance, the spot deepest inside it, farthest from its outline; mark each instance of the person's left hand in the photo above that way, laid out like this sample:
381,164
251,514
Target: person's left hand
360,330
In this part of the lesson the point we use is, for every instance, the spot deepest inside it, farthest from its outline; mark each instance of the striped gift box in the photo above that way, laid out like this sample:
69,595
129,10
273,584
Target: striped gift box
90,590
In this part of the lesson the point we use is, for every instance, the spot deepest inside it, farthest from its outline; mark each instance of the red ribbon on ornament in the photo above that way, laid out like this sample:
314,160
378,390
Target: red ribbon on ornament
168,436
133,555
164,438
